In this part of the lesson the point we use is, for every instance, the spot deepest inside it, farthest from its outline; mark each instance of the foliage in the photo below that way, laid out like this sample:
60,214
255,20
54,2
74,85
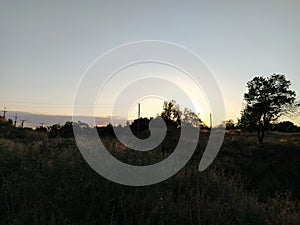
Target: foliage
285,126
173,116
46,181
41,129
266,100
54,130
189,117
63,131
230,125
171,113
139,126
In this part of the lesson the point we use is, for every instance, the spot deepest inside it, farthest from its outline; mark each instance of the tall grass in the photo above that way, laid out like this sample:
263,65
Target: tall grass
46,181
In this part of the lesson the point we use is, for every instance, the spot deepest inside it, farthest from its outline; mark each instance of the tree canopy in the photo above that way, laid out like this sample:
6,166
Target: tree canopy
172,115
266,100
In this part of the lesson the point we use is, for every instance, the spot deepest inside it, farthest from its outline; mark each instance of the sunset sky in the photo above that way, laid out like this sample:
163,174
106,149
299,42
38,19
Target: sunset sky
45,46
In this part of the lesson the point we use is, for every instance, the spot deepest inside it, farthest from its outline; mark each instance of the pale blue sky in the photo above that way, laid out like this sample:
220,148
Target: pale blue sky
45,46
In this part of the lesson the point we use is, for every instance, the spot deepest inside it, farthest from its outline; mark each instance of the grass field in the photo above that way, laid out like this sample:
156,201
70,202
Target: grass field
46,181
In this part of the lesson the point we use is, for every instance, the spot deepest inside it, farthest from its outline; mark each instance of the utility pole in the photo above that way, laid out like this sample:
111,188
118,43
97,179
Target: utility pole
139,115
4,111
22,123
139,110
16,117
210,121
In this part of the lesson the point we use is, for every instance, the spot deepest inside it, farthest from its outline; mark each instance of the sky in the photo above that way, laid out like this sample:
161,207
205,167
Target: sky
45,46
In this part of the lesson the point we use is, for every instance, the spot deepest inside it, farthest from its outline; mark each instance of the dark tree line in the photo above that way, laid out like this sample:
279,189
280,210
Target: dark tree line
173,116
266,100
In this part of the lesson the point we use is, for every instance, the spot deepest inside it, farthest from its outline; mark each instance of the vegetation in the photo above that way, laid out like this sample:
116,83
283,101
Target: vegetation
285,126
44,180
173,116
266,100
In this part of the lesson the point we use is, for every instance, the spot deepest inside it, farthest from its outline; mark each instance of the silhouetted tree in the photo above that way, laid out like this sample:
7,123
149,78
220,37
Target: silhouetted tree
229,124
173,116
247,122
106,131
140,125
41,129
81,125
285,126
10,121
171,113
66,131
191,118
54,130
266,100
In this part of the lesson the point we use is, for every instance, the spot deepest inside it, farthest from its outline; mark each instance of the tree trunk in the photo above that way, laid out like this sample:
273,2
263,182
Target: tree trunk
260,133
